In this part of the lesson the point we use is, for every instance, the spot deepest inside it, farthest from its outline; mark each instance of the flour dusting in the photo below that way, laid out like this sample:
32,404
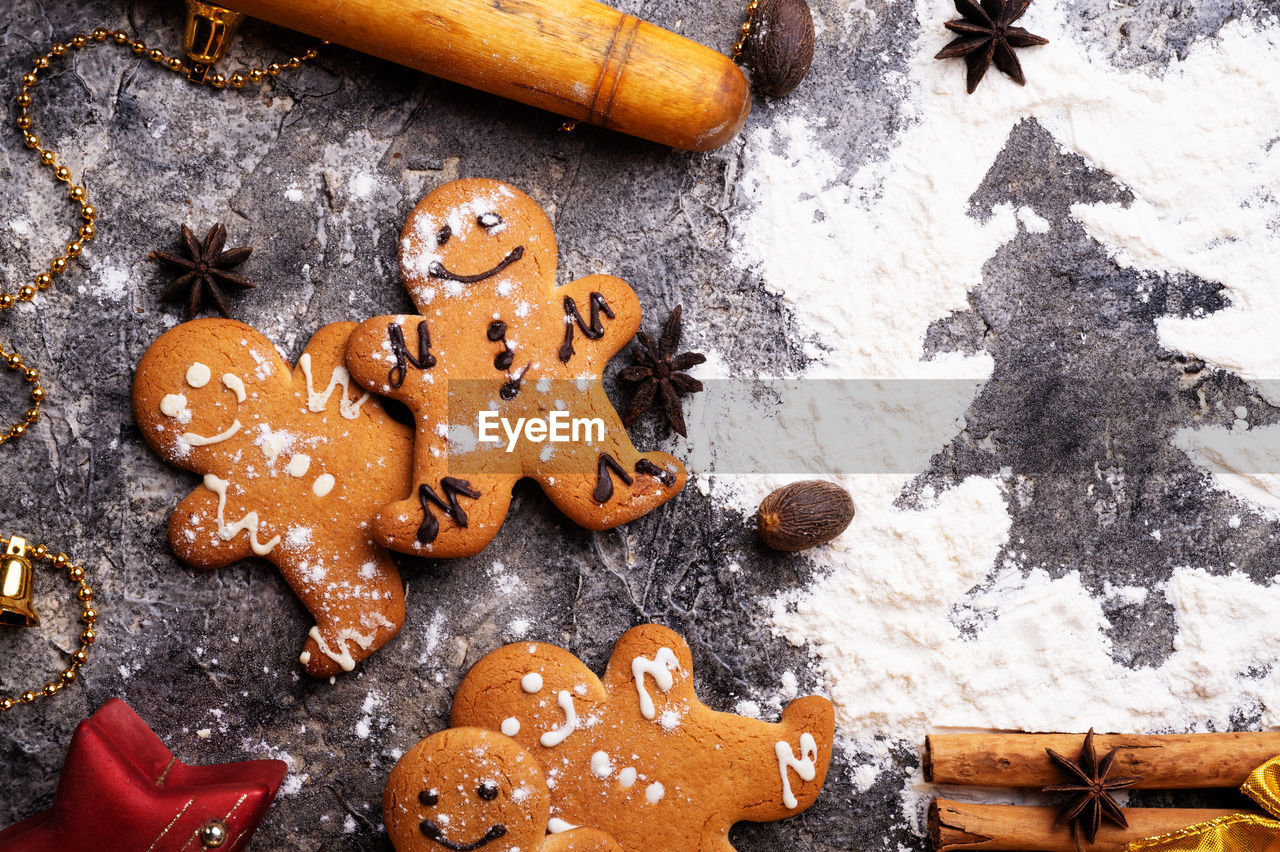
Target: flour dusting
916,620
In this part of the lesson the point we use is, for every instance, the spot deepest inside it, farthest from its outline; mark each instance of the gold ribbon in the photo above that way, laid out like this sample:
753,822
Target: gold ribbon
1237,833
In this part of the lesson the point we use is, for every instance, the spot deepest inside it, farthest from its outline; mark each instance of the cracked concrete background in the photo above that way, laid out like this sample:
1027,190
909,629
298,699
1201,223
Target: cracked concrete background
317,171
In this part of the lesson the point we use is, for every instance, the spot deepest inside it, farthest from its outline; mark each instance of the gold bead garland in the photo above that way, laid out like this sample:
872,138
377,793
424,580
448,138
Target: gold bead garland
745,30
88,617
78,194
73,249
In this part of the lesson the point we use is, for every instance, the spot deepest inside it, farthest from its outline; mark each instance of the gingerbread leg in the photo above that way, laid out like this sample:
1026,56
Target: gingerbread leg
358,604
625,483
447,516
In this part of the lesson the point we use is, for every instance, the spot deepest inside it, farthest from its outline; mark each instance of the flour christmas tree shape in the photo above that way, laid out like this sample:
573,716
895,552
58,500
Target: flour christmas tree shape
1083,402
295,463
636,754
497,341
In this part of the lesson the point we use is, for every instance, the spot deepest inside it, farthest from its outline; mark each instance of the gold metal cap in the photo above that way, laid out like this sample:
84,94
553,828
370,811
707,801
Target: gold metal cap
16,587
209,32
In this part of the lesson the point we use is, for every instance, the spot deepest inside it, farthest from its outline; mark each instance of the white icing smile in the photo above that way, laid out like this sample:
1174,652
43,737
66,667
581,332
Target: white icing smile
202,441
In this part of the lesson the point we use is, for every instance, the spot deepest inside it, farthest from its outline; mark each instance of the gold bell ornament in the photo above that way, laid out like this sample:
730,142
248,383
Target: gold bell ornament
17,566
16,587
209,32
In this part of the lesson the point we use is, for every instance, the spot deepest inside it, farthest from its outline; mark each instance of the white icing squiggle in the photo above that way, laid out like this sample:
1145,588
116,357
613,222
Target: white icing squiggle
202,441
551,739
235,384
344,659
340,377
248,522
804,766
555,825
660,668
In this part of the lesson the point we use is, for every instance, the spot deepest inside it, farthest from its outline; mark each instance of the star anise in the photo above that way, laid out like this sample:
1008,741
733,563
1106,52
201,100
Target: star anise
658,373
986,34
206,271
1092,785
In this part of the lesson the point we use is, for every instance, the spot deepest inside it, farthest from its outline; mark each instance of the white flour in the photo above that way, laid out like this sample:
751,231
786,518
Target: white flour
893,249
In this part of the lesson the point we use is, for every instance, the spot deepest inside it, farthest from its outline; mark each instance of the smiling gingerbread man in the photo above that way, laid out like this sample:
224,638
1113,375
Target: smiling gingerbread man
496,342
467,788
294,461
636,754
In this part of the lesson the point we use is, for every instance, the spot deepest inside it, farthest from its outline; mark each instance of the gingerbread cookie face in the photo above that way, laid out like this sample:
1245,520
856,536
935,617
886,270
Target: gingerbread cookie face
295,461
468,788
636,754
502,370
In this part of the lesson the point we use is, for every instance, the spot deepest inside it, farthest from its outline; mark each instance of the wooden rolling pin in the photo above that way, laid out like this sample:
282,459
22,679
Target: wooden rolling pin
577,58
955,826
1165,762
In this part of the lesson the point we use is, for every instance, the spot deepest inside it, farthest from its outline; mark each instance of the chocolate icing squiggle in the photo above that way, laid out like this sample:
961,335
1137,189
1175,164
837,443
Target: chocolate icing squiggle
424,361
648,468
593,330
448,504
604,482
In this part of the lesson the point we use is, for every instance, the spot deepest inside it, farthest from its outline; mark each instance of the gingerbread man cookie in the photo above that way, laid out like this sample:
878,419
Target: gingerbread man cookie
468,788
295,463
637,755
502,370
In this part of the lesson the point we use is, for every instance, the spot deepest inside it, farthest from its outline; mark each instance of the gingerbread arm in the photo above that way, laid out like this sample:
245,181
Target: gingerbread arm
589,302
547,687
788,759
391,356
194,533
652,668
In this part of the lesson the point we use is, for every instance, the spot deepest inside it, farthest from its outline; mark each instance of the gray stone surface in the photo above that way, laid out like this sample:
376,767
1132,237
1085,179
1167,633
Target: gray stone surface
218,650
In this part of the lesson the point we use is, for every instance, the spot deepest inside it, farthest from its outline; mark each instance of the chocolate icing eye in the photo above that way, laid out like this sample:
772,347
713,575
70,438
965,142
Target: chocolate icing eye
443,235
488,220
430,798
488,791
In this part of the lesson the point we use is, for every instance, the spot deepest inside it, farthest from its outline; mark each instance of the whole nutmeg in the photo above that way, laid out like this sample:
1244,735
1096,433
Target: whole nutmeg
804,514
780,45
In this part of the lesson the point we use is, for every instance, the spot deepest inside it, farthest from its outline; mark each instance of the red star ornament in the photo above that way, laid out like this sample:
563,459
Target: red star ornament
121,790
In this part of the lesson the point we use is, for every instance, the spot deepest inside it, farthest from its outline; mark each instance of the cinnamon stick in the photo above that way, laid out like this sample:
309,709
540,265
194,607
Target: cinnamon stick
955,826
1165,762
